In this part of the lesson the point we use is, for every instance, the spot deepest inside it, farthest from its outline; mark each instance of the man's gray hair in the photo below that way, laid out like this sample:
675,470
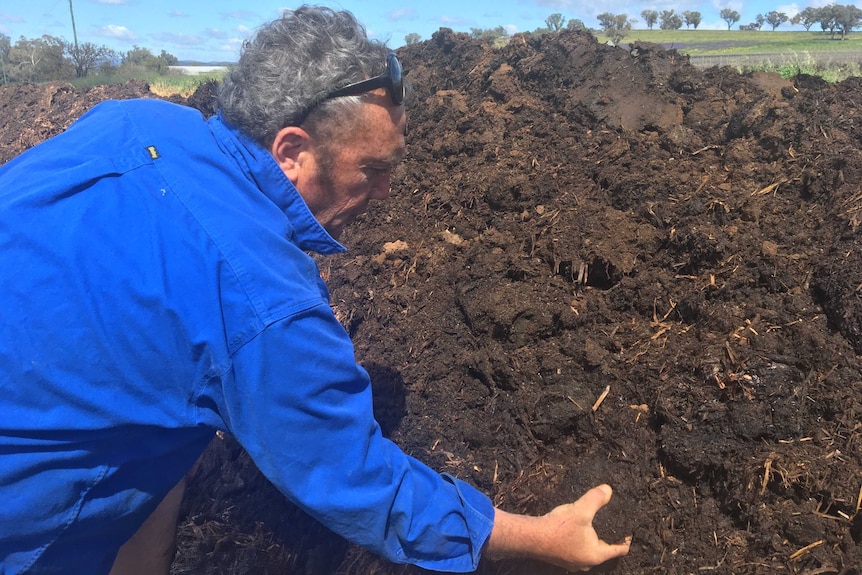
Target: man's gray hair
290,64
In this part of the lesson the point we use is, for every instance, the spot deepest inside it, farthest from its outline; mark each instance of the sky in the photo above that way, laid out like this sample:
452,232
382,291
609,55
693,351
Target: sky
213,30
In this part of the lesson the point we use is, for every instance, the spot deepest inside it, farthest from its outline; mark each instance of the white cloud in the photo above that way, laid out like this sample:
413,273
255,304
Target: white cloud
586,9
216,34
11,18
510,28
453,21
233,46
720,5
177,14
238,15
559,4
790,9
178,39
116,32
401,14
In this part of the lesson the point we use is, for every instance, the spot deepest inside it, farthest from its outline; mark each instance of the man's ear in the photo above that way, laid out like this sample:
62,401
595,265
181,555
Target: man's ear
287,146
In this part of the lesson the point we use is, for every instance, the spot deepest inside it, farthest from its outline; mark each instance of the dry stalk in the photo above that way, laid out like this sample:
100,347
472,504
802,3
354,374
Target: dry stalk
800,553
767,472
703,182
853,205
730,354
770,188
644,349
642,409
705,148
601,398
569,397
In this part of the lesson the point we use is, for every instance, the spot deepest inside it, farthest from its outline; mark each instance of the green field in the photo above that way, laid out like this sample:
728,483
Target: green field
719,42
786,53
161,85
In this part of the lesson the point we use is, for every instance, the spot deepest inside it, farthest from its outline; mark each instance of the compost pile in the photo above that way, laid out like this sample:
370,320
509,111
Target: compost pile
597,265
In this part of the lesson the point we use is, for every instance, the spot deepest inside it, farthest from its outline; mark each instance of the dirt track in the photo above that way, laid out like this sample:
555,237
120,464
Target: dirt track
573,219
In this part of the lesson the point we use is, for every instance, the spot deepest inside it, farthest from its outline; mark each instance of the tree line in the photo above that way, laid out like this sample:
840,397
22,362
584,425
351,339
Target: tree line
50,58
500,36
834,18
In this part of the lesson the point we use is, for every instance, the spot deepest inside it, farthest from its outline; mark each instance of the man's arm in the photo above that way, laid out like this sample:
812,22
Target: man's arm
564,537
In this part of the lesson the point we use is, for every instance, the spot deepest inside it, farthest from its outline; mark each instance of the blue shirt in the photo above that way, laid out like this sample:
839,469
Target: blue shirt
155,287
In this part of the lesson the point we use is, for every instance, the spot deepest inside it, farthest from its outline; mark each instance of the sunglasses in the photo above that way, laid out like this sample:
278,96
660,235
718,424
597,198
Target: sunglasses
391,79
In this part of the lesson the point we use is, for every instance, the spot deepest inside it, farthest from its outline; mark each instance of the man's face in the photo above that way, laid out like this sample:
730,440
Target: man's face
357,169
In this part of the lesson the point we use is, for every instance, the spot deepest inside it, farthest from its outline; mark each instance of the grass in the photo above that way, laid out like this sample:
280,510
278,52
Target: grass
805,64
184,85
721,42
167,85
793,52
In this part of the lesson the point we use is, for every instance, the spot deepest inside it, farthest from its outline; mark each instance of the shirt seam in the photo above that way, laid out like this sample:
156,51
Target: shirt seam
77,511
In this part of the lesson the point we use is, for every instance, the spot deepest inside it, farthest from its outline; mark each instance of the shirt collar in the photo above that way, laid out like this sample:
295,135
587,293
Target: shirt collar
259,166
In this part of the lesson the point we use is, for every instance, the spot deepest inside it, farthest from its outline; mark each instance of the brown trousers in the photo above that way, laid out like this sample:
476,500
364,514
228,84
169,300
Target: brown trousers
150,551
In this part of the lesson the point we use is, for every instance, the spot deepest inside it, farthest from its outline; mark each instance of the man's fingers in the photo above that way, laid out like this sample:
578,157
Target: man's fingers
591,502
596,498
608,552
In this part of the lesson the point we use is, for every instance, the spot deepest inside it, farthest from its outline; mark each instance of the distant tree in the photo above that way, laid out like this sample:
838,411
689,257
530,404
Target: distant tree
615,26
87,56
168,58
38,60
806,18
828,18
670,20
5,46
575,24
109,67
691,18
412,38
776,19
758,22
555,22
494,36
138,60
650,17
847,18
729,16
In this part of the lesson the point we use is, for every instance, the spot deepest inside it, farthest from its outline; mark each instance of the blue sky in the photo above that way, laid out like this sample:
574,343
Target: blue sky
213,30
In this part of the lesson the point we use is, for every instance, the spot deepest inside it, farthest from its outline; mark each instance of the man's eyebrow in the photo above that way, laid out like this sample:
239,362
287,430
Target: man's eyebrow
389,162
395,158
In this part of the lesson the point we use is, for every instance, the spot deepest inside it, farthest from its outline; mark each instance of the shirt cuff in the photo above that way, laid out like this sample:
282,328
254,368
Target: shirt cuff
478,513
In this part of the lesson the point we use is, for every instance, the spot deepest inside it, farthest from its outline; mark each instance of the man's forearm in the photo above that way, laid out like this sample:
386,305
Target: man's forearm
564,537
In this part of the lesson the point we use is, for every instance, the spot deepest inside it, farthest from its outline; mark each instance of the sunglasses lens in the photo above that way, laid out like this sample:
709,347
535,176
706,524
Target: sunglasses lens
394,69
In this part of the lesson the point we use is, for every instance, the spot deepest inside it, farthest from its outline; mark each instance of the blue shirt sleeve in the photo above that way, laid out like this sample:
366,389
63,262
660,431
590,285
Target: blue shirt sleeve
301,407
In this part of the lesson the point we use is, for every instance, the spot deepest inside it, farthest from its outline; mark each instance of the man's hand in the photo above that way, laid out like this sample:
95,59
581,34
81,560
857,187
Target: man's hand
564,537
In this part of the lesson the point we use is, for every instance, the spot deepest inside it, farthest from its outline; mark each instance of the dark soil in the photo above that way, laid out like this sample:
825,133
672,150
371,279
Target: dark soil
596,266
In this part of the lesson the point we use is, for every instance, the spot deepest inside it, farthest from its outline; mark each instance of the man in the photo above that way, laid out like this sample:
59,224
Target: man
156,288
